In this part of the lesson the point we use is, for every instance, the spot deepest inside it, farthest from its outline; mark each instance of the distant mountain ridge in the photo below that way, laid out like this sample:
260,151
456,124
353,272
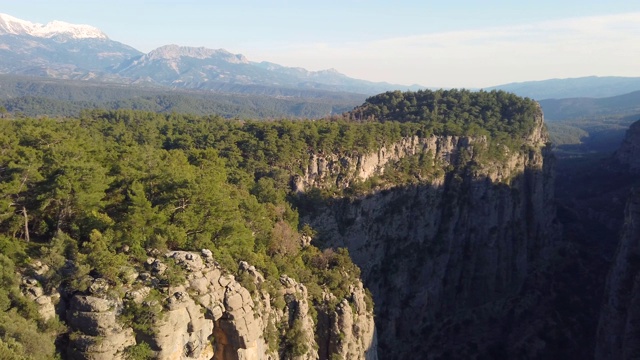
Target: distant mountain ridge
590,87
584,107
202,68
68,51
62,50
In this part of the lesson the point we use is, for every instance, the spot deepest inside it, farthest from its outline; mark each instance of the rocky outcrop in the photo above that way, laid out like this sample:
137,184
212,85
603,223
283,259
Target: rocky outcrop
97,333
297,313
619,326
353,328
329,170
448,252
341,171
629,151
196,310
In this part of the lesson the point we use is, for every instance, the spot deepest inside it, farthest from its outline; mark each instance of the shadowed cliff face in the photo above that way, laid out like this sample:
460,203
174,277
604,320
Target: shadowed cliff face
629,153
451,253
619,326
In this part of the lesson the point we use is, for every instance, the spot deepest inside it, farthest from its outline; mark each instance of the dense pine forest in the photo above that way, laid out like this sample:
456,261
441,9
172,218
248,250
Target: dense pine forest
91,195
34,97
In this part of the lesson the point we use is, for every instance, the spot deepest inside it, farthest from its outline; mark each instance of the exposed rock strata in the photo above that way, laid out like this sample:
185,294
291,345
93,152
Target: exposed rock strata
452,249
97,333
327,170
619,327
211,315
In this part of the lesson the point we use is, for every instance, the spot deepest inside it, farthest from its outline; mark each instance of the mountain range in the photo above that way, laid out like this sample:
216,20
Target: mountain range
68,51
589,86
59,50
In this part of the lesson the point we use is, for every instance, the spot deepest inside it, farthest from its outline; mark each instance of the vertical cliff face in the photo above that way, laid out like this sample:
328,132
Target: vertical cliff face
629,151
331,170
619,326
447,254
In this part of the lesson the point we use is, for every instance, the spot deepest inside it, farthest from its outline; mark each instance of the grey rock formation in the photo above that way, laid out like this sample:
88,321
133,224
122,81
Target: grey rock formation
97,333
353,328
209,314
451,249
32,289
327,170
619,327
297,313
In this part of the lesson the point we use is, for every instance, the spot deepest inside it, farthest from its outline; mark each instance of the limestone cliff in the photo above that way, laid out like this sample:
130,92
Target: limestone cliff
203,312
447,253
329,170
619,326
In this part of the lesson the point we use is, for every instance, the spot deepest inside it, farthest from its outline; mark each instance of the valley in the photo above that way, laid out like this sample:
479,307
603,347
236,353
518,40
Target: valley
189,203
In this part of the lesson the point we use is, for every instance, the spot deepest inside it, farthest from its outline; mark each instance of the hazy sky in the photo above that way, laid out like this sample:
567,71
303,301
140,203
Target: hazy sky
448,43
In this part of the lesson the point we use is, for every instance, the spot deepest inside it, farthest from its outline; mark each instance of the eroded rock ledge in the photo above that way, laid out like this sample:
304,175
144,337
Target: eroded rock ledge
209,314
444,255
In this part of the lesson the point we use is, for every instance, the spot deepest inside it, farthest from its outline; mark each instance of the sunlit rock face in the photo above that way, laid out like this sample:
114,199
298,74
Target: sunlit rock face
211,315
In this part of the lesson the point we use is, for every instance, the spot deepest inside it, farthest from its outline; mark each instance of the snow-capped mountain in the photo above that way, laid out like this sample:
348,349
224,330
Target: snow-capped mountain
15,26
63,50
58,49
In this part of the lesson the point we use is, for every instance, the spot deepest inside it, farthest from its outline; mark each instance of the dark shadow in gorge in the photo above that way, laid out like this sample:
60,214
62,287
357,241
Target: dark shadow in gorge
468,268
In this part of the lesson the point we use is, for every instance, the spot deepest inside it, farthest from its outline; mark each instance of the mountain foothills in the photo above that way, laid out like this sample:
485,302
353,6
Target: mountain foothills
583,87
32,96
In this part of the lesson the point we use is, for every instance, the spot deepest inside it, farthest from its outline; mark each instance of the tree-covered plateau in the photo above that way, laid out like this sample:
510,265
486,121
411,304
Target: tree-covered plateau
90,195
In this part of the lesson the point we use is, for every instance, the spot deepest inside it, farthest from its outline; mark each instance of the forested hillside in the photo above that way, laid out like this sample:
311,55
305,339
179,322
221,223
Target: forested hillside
453,111
32,96
91,196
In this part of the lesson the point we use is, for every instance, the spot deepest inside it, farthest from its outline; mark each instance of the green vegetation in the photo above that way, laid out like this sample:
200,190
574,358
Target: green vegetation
581,126
32,96
81,190
295,340
141,351
454,112
561,134
23,334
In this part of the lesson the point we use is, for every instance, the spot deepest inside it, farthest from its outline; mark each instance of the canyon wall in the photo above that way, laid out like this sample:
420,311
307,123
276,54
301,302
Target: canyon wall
619,326
444,255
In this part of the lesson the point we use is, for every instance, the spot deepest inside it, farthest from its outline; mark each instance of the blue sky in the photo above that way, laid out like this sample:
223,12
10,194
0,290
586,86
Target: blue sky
444,43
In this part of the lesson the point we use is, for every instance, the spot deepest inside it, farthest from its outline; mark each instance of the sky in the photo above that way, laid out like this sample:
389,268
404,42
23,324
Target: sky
444,43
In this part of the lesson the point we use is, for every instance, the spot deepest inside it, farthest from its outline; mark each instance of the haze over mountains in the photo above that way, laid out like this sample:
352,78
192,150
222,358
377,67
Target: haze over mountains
63,50
70,51
590,86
